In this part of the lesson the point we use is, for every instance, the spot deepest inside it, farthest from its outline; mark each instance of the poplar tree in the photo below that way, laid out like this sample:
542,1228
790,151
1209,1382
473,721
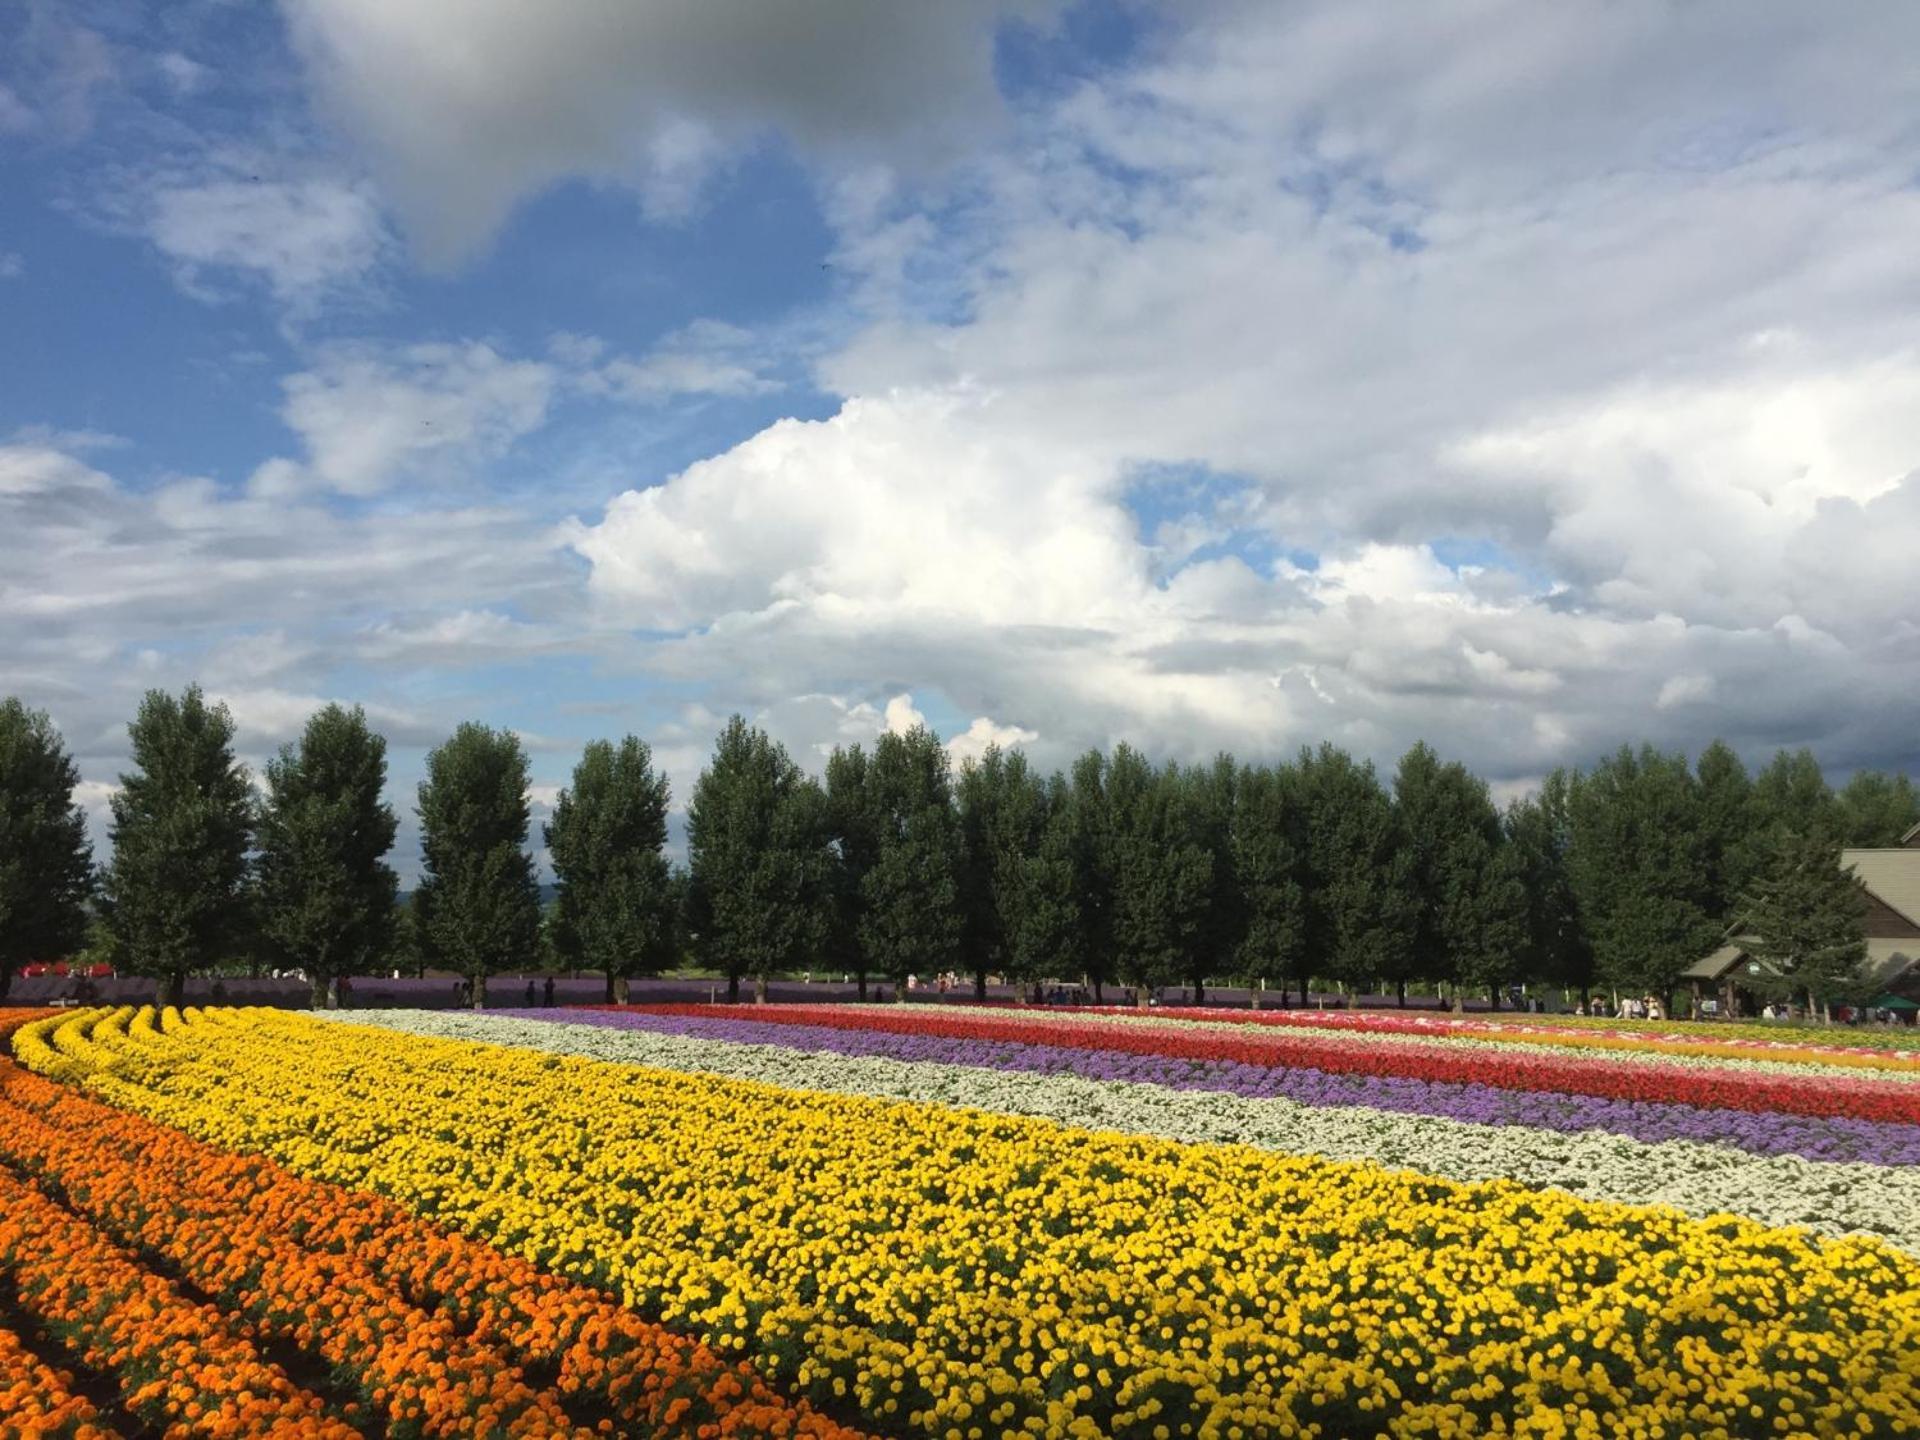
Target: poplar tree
1089,827
182,825
760,870
855,840
1640,869
478,899
911,919
1268,858
325,895
1162,872
46,862
1049,935
1729,828
1469,900
1003,809
616,910
1360,902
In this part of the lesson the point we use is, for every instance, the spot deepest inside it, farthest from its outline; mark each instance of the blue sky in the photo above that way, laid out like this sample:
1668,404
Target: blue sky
1220,375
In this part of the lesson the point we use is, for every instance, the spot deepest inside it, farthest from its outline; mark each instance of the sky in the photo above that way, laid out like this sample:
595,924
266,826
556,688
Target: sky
1232,374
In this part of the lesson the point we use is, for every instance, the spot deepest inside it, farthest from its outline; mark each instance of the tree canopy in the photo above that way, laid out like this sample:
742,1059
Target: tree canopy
46,861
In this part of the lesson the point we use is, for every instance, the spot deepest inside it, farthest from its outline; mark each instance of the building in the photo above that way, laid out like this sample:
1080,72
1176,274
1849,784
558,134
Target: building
1891,878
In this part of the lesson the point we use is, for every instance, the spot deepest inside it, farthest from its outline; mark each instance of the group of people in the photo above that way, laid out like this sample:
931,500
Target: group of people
1647,1007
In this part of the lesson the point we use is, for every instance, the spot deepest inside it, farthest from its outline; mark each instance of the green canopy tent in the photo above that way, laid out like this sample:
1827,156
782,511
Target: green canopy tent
1894,1002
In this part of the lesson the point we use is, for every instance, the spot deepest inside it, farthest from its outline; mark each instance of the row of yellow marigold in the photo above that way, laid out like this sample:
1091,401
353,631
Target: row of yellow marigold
436,1332
966,1275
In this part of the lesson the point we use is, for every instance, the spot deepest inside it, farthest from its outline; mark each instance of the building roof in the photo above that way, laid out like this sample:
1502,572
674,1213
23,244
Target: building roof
1716,965
1891,876
1888,959
1912,838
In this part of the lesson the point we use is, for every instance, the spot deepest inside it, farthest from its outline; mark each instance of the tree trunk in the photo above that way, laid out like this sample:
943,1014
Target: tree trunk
1256,992
1459,1002
479,1000
1350,998
317,991
333,992
1099,997
622,990
760,989
980,985
900,991
861,976
1403,994
167,988
1141,999
1493,996
733,989
610,999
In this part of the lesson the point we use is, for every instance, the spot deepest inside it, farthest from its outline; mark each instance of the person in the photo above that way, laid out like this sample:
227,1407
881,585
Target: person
547,996
1655,1011
1580,1008
343,993
529,992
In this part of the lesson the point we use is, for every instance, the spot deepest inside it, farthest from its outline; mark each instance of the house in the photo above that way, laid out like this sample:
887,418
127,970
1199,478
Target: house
1891,878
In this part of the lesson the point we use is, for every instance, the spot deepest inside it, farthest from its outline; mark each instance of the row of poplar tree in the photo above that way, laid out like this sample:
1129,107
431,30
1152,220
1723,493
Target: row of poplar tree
1312,871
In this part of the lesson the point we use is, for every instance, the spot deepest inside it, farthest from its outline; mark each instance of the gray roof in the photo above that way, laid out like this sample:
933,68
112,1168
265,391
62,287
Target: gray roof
1716,965
1888,959
1891,876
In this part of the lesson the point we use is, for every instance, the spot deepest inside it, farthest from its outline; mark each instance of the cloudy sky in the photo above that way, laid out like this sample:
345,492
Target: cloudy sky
1526,378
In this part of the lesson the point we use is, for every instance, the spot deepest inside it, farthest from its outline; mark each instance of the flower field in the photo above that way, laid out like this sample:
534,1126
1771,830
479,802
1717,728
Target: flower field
967,1224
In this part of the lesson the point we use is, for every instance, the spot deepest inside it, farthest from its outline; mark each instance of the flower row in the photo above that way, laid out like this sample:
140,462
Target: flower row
1701,1179
39,1402
433,1328
1713,1087
179,1365
1531,1032
955,1272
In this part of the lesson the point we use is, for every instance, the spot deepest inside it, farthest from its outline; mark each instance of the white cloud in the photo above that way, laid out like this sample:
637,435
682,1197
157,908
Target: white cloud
972,743
302,238
370,419
706,358
650,92
1685,690
15,115
184,75
12,265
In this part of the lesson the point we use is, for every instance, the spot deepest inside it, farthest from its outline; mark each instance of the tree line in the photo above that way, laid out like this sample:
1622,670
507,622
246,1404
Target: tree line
1116,872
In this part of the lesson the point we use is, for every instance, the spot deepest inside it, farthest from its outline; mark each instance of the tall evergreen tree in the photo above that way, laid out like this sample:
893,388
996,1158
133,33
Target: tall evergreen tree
1090,829
325,893
1877,808
1539,836
1727,826
1004,813
1214,797
760,867
1049,933
855,836
1162,872
182,825
616,910
1791,797
1806,918
1639,864
46,863
1360,901
1268,861
482,904
1469,898
912,918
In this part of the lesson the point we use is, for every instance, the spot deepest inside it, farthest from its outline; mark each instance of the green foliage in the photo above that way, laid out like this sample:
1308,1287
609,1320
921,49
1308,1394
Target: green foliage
1728,826
325,896
617,909
1161,868
855,839
46,863
1049,934
911,920
1877,809
1268,848
1641,869
1805,915
1540,838
1089,828
1466,886
760,891
1791,797
479,905
1361,912
1004,811
182,825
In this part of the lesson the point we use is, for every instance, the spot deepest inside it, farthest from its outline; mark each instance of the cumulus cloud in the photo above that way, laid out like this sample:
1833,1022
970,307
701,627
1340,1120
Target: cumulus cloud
651,93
